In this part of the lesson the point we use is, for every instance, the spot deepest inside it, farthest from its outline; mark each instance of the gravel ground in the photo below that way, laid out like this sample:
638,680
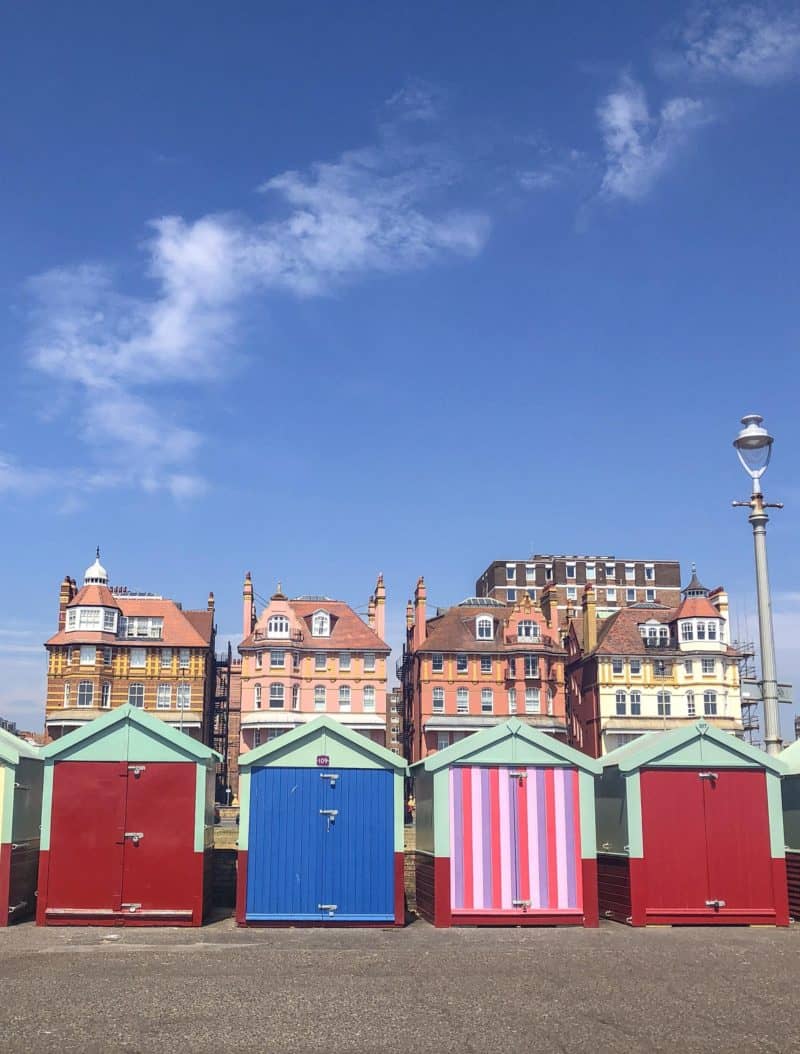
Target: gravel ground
418,989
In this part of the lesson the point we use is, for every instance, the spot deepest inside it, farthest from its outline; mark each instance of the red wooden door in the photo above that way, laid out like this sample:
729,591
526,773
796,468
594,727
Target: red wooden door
160,866
674,836
87,824
739,853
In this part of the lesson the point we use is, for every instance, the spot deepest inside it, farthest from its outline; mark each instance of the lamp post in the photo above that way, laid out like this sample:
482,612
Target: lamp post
754,447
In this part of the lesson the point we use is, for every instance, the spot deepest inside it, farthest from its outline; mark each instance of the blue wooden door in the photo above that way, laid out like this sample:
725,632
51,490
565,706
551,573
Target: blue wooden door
285,844
321,845
358,860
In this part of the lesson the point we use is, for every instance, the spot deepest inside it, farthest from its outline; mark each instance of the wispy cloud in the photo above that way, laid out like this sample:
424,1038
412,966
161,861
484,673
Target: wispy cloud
753,43
377,210
639,145
417,100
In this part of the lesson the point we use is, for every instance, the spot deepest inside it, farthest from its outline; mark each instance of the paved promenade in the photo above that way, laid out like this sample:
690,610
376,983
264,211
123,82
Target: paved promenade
419,990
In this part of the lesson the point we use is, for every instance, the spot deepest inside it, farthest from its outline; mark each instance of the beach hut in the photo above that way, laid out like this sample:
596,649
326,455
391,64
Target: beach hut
127,825
790,788
321,830
20,813
690,831
506,831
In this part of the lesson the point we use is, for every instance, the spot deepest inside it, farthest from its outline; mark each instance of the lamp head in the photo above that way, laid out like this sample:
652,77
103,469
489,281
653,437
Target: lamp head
754,446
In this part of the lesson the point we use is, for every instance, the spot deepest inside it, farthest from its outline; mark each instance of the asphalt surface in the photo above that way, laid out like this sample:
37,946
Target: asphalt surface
418,989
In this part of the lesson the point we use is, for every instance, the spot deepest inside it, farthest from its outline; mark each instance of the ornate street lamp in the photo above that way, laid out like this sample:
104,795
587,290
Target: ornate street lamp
754,447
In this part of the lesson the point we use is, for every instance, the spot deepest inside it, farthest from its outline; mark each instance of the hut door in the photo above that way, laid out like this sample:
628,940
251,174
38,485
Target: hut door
674,837
358,849
84,875
514,840
739,853
321,845
159,875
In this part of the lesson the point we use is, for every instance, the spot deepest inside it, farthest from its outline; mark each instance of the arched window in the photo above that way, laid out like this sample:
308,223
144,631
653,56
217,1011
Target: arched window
136,695
278,626
85,693
710,703
276,696
621,704
664,702
369,697
67,693
344,697
257,697
484,628
320,624
295,697
319,697
106,695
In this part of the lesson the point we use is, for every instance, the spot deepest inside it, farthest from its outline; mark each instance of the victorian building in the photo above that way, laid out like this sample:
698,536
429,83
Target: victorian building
114,646
649,667
311,655
477,663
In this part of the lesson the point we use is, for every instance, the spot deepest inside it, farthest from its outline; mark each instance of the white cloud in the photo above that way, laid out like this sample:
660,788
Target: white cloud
640,146
372,211
417,100
754,43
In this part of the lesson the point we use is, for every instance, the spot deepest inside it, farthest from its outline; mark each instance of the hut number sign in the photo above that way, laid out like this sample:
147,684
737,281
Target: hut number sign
323,760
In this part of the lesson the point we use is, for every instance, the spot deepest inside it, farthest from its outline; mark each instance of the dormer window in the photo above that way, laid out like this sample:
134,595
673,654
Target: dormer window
320,624
278,626
527,629
484,628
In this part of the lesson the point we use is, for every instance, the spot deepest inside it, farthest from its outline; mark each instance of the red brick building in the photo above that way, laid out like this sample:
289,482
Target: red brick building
476,664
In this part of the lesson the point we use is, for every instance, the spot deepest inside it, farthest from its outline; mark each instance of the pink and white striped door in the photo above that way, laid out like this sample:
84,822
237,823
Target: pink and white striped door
514,840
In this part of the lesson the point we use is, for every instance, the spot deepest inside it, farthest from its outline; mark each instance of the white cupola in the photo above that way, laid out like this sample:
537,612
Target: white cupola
96,575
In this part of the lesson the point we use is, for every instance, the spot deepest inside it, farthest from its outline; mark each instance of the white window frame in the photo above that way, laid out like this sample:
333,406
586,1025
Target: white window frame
649,573
527,629
183,696
486,664
278,627
591,572
617,667
511,572
345,698
484,627
184,658
621,703
512,700
136,655
67,693
650,596
277,659
511,595
132,695
572,592
166,659
86,651
369,698
85,696
611,595
709,666
345,662
369,662
105,698
690,704
533,700
442,740
462,664
611,571
630,572
320,661
664,703
321,624
571,571
437,700
710,703
462,700
164,697
487,697
630,595
256,696
72,620
109,620
530,573
636,667
295,697
437,663
531,666
636,703
277,695
320,697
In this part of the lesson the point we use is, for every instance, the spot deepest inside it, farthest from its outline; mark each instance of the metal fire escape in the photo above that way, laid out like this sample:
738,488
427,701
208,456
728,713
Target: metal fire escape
222,701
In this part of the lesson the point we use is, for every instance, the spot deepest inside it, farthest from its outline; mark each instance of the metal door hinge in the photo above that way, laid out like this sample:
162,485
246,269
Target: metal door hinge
715,904
137,770
135,836
708,775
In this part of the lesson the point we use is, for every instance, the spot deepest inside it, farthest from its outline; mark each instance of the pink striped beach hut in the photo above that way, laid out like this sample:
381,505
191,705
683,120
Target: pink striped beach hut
506,831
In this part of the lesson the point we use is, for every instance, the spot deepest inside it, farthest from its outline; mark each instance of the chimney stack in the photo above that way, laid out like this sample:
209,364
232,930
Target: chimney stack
210,601
420,625
248,610
549,603
589,604
409,616
65,594
380,607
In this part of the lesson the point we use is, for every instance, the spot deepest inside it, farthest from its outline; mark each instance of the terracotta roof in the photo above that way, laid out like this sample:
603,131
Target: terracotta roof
454,631
94,594
348,631
697,607
619,634
179,631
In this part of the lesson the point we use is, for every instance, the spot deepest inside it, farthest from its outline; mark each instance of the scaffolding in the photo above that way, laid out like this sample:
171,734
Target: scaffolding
747,672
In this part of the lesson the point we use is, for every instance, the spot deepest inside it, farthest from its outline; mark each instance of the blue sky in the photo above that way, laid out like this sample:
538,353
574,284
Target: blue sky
320,290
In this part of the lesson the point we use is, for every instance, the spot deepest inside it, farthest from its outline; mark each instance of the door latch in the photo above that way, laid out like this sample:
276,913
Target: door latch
524,904
130,907
518,774
715,904
137,770
332,776
330,908
708,775
330,815
135,836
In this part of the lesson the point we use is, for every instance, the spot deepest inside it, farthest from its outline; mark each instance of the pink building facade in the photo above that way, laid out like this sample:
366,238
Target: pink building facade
308,656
